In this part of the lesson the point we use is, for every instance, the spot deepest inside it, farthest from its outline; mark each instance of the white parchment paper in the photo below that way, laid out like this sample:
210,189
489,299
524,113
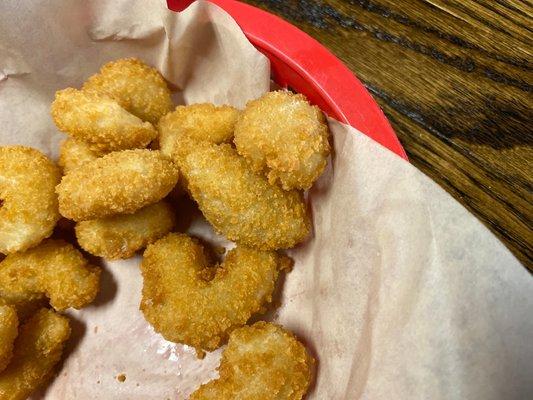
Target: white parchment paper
400,293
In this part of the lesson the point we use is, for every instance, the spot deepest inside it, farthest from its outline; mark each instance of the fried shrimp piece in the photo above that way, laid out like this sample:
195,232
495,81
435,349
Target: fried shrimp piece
180,129
38,349
55,270
262,362
23,309
28,203
137,87
8,332
100,121
189,301
120,236
74,153
121,182
284,135
240,203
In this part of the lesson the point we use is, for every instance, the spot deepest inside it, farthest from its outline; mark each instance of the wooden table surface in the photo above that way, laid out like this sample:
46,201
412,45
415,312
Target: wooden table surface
455,79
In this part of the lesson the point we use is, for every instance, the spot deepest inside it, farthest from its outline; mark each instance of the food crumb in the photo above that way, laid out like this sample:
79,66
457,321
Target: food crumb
121,377
96,329
200,354
97,382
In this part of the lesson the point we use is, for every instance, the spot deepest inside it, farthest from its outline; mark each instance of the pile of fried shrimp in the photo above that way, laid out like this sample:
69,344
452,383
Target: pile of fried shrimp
129,152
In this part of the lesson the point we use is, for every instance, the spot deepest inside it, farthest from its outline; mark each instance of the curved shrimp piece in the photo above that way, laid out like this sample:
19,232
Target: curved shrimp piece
38,349
186,125
28,203
262,361
188,301
99,121
74,153
284,135
55,270
240,203
137,87
8,332
120,236
121,182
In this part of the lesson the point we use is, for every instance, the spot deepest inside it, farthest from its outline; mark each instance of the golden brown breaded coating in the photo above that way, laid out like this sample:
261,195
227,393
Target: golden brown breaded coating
262,362
137,87
74,152
28,202
240,203
54,269
120,236
99,121
180,129
284,135
8,332
121,182
38,349
24,309
189,301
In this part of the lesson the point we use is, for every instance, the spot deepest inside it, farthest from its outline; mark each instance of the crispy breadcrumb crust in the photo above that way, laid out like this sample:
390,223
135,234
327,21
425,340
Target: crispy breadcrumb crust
283,135
28,202
186,125
118,183
99,121
54,269
38,349
137,87
120,236
8,332
262,362
74,153
190,301
240,203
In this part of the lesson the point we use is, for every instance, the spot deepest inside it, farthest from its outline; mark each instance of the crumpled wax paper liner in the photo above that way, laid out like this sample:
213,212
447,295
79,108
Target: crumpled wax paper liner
400,292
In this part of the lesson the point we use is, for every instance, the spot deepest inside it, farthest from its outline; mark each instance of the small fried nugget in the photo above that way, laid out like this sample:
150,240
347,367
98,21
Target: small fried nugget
262,362
120,236
189,301
38,349
284,135
121,182
74,153
180,129
8,332
99,121
24,309
28,203
54,269
137,87
240,203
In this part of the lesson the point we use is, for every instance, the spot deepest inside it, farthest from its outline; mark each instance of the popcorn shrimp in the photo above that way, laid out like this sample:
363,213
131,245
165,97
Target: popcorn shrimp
283,135
38,349
28,203
180,129
189,301
137,87
74,153
54,269
121,182
262,362
8,333
100,121
240,203
120,236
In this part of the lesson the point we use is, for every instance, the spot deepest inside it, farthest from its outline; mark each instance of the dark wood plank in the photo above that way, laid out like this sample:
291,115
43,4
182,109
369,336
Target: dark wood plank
455,79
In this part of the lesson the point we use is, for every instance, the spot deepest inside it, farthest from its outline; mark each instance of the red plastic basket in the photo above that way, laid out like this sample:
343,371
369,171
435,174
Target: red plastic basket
300,62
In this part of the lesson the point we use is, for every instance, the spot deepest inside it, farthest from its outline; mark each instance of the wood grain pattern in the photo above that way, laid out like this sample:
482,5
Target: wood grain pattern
455,78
